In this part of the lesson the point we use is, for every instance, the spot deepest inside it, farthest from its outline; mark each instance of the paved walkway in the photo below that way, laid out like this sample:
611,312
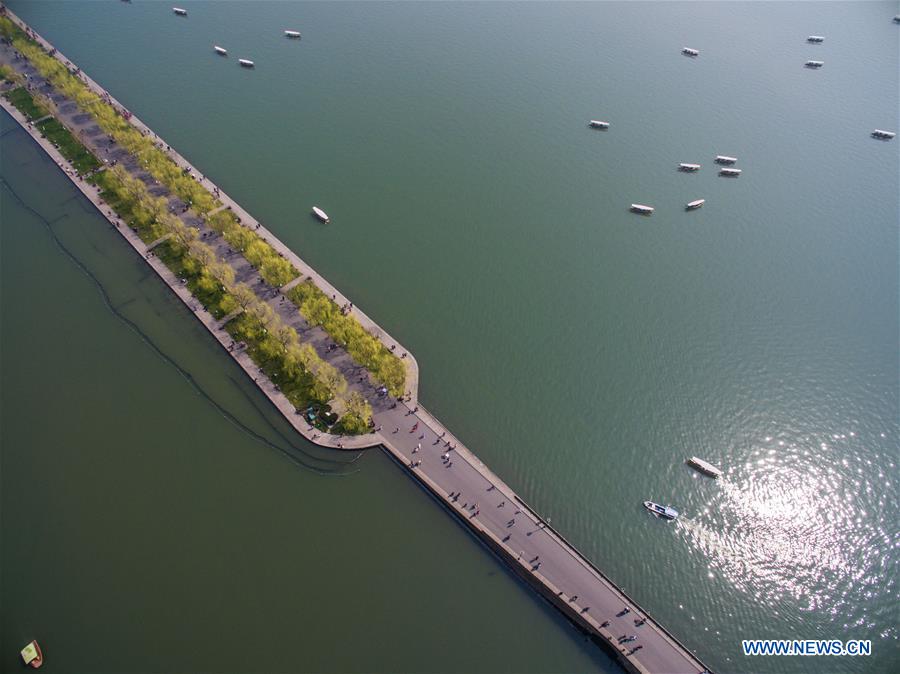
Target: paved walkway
415,439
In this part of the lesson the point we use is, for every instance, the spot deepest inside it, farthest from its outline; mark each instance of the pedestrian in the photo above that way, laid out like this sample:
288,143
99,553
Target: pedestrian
397,430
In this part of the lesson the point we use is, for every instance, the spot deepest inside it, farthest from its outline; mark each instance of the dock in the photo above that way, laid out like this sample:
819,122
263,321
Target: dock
411,436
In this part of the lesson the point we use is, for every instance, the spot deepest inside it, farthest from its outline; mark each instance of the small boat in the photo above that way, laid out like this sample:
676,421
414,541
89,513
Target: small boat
667,512
245,63
704,467
897,19
733,172
292,34
640,208
220,50
597,124
884,135
692,205
689,167
723,159
322,215
815,38
687,51
32,655
179,11
814,64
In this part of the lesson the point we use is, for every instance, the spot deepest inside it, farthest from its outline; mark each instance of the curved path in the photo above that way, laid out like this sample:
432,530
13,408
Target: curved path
414,438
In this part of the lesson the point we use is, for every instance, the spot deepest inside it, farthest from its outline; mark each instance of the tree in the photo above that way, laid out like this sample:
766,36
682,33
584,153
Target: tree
223,271
286,335
243,295
332,379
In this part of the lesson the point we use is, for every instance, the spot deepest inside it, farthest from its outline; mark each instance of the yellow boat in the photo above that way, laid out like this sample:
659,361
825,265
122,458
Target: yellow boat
32,655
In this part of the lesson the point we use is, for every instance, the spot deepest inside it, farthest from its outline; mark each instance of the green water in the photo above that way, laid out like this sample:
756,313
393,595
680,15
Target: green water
170,522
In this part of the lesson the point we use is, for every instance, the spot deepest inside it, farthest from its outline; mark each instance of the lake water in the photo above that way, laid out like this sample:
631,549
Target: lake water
156,514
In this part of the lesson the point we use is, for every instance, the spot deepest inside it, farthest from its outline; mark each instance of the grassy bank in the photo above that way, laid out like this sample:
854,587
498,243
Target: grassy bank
83,160
26,104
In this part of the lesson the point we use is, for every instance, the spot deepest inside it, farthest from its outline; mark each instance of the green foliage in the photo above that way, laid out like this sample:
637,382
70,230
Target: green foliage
296,383
363,347
7,74
275,270
136,208
10,30
148,154
82,159
357,417
23,101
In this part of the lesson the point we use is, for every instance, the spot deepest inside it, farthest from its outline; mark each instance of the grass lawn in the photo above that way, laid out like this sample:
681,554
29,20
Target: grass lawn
70,147
20,98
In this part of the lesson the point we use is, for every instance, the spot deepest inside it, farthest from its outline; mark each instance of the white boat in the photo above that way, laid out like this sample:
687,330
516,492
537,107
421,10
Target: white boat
246,63
179,11
597,124
730,172
689,167
667,512
814,64
220,50
322,215
815,38
704,467
640,208
697,203
723,159
687,51
885,135
291,33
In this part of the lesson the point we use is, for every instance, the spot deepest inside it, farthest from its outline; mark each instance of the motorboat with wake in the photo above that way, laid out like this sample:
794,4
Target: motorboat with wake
666,512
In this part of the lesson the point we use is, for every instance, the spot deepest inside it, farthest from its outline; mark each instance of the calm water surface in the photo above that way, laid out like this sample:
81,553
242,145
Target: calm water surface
582,351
